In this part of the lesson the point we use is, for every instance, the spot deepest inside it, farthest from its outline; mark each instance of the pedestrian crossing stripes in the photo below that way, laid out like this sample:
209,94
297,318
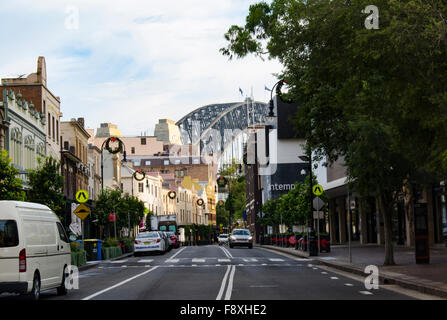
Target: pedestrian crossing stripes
223,260
145,260
172,261
275,259
198,260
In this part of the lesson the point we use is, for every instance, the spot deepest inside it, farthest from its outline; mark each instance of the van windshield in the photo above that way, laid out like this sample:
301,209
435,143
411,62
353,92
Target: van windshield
9,237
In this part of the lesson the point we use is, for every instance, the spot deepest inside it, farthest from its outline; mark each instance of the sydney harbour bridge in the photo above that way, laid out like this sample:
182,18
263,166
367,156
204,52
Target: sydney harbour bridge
222,128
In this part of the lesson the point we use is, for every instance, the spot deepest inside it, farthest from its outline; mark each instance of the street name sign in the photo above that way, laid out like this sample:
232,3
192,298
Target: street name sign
82,211
82,196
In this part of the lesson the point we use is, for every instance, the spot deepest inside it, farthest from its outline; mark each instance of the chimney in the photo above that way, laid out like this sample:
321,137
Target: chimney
81,122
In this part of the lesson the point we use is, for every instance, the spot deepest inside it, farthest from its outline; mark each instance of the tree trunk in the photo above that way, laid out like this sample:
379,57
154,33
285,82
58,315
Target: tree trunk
386,210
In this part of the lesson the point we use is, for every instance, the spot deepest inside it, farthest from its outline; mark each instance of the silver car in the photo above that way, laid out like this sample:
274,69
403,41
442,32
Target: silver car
241,237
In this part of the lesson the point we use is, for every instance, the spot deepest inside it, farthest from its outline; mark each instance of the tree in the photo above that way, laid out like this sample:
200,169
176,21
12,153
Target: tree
46,185
10,186
108,202
148,220
375,98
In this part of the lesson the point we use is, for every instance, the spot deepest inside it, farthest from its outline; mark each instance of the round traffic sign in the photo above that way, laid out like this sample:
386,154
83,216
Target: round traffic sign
317,190
82,196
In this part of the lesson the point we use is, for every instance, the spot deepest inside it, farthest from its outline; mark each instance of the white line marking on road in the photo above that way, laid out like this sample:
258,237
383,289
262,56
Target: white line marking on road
145,260
349,284
119,284
222,286
264,264
334,278
193,265
217,265
123,266
310,265
172,261
250,260
223,260
177,253
119,261
264,286
275,259
227,253
198,260
241,264
324,272
230,284
315,268
365,292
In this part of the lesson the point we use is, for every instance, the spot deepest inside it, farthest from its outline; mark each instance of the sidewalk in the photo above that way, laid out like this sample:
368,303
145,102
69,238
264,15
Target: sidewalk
430,279
91,264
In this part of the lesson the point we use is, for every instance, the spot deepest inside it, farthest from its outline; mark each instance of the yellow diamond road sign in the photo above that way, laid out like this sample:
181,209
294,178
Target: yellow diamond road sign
81,196
82,211
317,190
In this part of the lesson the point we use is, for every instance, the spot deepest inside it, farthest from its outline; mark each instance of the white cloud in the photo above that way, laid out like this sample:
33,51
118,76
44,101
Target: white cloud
132,62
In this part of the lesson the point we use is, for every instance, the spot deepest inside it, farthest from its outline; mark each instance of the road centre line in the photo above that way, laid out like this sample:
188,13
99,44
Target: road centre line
222,286
119,284
230,284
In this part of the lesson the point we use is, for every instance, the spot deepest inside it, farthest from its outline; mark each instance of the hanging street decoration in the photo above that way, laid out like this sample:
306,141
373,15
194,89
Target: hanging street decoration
278,90
141,174
200,202
222,181
117,149
172,194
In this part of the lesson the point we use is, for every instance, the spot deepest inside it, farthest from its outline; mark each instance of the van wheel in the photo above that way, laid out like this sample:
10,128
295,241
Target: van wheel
62,290
35,292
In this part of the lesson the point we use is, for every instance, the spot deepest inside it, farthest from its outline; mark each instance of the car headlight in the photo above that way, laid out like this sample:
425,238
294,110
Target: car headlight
232,238
250,238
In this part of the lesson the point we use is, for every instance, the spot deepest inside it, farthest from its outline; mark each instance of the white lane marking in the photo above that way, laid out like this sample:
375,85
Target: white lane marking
193,265
250,260
198,260
315,268
145,260
265,286
227,253
217,265
324,272
365,292
119,284
177,253
123,266
328,258
119,261
349,284
334,278
241,264
223,260
172,261
275,259
230,284
222,286
264,264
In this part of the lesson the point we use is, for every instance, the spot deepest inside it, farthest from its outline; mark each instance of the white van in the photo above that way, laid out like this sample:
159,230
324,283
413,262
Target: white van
34,249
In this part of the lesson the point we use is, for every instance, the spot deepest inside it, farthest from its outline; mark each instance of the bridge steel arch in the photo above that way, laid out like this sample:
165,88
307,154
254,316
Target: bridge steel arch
220,117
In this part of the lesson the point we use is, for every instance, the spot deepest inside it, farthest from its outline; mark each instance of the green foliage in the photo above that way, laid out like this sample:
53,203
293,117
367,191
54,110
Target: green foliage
75,246
46,185
10,186
128,209
148,220
110,242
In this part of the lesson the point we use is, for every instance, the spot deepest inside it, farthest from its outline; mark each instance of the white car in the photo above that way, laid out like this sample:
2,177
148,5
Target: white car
223,239
148,242
241,237
34,249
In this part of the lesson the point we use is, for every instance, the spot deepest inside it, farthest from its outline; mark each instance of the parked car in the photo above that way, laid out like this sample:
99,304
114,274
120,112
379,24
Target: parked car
173,240
241,237
149,242
223,239
34,249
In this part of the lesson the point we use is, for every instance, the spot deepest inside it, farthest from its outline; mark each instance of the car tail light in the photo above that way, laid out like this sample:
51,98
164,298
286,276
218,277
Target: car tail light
158,240
173,238
22,261
137,241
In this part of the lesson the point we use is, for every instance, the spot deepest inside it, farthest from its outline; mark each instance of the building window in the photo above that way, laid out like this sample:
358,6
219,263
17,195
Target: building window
30,156
166,162
140,187
16,147
40,150
143,140
57,131
148,163
49,125
136,163
52,124
177,161
132,150
196,161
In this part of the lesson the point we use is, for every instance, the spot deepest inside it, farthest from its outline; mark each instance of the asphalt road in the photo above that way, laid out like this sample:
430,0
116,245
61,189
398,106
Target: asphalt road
218,273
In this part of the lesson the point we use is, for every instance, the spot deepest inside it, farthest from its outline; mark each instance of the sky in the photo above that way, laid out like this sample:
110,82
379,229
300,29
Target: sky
132,62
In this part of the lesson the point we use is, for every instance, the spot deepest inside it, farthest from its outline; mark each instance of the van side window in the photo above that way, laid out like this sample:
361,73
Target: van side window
62,233
9,237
